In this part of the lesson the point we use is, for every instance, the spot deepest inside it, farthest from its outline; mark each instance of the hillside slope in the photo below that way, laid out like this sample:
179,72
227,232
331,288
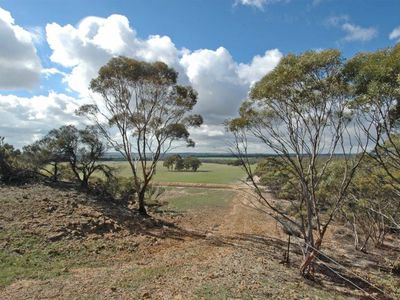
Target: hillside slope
58,243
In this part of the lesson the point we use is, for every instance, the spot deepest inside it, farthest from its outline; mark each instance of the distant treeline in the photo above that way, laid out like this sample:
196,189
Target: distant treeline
216,158
204,157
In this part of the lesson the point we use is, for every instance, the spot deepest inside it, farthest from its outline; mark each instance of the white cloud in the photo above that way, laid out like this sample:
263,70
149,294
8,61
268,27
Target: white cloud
260,65
395,34
214,75
52,71
209,130
256,3
353,32
221,82
259,4
336,21
25,119
358,33
89,45
19,64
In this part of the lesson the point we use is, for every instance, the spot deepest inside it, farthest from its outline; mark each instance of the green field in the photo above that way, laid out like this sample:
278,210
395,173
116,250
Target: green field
207,173
183,199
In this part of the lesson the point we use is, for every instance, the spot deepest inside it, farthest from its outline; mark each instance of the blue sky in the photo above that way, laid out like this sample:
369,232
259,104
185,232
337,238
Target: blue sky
291,26
218,46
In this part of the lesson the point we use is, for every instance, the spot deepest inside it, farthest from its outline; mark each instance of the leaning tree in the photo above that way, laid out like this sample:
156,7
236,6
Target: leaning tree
301,111
142,111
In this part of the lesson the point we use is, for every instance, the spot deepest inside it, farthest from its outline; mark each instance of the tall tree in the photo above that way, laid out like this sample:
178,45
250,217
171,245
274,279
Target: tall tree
300,111
149,110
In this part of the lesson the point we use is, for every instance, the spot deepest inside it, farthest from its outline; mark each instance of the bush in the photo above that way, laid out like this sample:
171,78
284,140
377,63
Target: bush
115,188
13,169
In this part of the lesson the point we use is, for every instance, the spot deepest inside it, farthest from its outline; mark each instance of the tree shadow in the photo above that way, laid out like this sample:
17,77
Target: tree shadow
115,216
353,283
274,248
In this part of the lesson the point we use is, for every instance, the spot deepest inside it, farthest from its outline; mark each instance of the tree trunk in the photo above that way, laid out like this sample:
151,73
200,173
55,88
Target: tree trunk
142,208
85,183
55,175
307,266
355,233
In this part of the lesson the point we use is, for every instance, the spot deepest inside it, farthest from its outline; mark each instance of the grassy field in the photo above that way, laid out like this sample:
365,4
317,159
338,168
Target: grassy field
183,199
207,173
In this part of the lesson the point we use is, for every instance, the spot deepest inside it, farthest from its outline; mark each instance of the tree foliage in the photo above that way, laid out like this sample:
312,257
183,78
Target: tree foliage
375,78
149,110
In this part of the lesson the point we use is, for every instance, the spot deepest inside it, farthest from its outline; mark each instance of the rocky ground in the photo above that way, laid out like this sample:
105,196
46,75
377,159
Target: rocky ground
59,243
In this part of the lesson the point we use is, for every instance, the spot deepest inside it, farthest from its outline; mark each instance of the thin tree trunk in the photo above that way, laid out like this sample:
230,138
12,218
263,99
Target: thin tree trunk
55,175
85,183
307,267
356,240
142,208
364,246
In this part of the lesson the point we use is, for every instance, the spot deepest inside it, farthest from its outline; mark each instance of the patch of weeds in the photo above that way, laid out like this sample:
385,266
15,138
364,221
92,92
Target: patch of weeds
390,283
26,256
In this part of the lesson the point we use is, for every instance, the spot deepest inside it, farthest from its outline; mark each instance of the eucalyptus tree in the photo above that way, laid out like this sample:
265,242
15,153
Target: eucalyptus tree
192,163
375,78
141,113
301,111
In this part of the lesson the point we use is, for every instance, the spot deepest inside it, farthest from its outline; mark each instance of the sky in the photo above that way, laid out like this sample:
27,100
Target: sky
51,49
